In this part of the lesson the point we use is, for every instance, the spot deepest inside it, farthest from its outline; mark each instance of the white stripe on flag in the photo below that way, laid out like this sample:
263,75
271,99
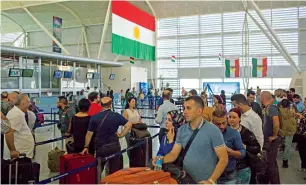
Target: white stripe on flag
125,28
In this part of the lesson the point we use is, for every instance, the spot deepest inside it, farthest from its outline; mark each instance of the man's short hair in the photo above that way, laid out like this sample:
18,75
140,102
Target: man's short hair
292,90
296,96
19,98
240,99
220,113
166,95
198,100
193,92
107,104
169,89
92,96
63,100
251,93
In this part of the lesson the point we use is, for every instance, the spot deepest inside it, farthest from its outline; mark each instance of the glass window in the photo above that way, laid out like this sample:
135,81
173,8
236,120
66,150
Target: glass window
263,83
30,82
6,81
55,81
189,83
45,75
282,83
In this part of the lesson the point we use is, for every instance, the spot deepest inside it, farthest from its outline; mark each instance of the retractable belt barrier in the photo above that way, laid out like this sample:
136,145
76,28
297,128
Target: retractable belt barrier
90,165
51,140
48,124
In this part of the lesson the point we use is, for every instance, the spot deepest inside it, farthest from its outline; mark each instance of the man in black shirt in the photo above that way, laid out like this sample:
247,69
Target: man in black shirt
255,106
105,125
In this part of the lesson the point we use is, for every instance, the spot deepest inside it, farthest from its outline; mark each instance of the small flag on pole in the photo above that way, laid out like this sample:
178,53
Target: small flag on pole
173,59
220,57
132,60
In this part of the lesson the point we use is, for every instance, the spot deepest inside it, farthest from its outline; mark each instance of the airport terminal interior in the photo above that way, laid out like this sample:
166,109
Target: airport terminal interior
172,66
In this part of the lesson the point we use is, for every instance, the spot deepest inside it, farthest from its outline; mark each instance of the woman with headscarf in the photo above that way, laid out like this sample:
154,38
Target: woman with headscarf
174,120
250,143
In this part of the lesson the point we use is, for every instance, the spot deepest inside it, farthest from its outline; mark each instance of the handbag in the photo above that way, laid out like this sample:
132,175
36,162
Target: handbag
140,131
176,168
258,162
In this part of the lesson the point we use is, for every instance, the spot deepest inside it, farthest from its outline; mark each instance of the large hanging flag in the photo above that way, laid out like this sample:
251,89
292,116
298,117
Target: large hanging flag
173,59
232,68
132,60
133,31
259,67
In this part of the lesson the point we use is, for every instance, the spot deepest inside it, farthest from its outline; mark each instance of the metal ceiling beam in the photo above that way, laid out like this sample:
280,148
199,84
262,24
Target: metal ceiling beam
16,22
284,49
82,23
50,55
105,26
31,5
46,31
151,7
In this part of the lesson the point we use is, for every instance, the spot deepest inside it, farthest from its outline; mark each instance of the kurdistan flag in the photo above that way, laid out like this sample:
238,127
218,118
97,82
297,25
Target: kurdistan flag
259,67
133,31
232,68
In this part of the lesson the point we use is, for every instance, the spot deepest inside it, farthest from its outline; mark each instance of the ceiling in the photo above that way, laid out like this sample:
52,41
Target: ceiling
93,12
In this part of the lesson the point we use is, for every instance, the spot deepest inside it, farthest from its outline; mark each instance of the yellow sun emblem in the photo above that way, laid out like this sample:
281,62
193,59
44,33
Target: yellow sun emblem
136,32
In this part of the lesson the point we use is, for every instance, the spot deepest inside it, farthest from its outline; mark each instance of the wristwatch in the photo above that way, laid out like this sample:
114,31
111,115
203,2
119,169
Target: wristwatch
211,181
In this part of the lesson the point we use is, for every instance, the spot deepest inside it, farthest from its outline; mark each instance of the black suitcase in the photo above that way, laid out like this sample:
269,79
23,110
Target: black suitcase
142,155
19,171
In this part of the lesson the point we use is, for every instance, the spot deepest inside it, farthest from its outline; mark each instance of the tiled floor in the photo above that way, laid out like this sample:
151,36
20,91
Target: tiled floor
288,176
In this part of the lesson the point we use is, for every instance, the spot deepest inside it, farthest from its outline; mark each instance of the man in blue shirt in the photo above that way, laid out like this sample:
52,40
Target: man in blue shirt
298,102
206,158
233,142
105,125
161,100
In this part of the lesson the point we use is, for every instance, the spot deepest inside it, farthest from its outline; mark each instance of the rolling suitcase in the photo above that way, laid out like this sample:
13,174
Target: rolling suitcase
142,155
19,171
139,176
73,161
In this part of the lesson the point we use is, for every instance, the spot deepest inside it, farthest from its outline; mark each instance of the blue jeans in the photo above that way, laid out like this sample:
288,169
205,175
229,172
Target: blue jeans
287,149
228,179
243,176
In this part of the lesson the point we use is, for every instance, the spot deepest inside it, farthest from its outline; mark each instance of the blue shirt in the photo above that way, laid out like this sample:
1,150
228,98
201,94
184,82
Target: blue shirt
162,112
106,133
201,158
300,106
232,139
165,147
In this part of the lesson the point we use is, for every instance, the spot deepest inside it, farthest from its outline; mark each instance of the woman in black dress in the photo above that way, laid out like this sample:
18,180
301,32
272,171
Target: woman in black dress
79,125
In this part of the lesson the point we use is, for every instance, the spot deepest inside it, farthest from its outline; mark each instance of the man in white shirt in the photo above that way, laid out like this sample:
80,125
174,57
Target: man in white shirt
162,112
19,139
249,118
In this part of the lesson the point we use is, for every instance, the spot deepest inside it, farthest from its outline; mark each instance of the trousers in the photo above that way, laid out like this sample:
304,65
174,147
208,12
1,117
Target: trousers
287,149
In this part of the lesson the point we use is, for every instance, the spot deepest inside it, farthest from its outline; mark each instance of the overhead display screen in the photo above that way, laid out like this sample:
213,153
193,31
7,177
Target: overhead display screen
14,72
27,73
57,74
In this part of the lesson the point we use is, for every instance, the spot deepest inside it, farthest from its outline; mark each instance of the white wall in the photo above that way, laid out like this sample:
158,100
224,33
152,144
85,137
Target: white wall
138,74
118,83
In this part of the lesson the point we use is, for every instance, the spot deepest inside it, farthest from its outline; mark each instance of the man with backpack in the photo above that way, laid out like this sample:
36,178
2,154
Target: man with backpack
272,140
65,114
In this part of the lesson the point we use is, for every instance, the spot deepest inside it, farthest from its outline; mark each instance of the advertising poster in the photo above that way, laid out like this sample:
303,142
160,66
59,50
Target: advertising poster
57,33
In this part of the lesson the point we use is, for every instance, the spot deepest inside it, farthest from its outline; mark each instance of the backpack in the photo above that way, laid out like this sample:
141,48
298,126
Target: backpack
287,123
54,159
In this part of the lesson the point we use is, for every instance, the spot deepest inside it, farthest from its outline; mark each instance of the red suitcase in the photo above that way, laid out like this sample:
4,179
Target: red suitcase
73,161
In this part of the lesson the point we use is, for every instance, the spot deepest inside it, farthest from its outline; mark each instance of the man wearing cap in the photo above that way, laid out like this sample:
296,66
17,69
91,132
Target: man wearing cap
105,125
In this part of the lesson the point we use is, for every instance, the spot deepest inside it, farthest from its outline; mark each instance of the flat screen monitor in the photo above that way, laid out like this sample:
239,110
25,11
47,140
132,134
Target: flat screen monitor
89,76
27,73
14,72
57,74
96,75
112,76
67,74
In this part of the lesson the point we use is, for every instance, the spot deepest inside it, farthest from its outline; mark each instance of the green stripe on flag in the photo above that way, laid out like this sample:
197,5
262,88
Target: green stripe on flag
227,68
254,67
127,47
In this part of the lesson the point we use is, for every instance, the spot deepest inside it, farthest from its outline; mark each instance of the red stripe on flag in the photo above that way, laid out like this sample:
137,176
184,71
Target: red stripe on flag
130,12
237,68
264,67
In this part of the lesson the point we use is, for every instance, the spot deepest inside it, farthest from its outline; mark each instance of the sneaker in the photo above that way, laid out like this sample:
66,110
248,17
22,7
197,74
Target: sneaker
285,164
302,170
